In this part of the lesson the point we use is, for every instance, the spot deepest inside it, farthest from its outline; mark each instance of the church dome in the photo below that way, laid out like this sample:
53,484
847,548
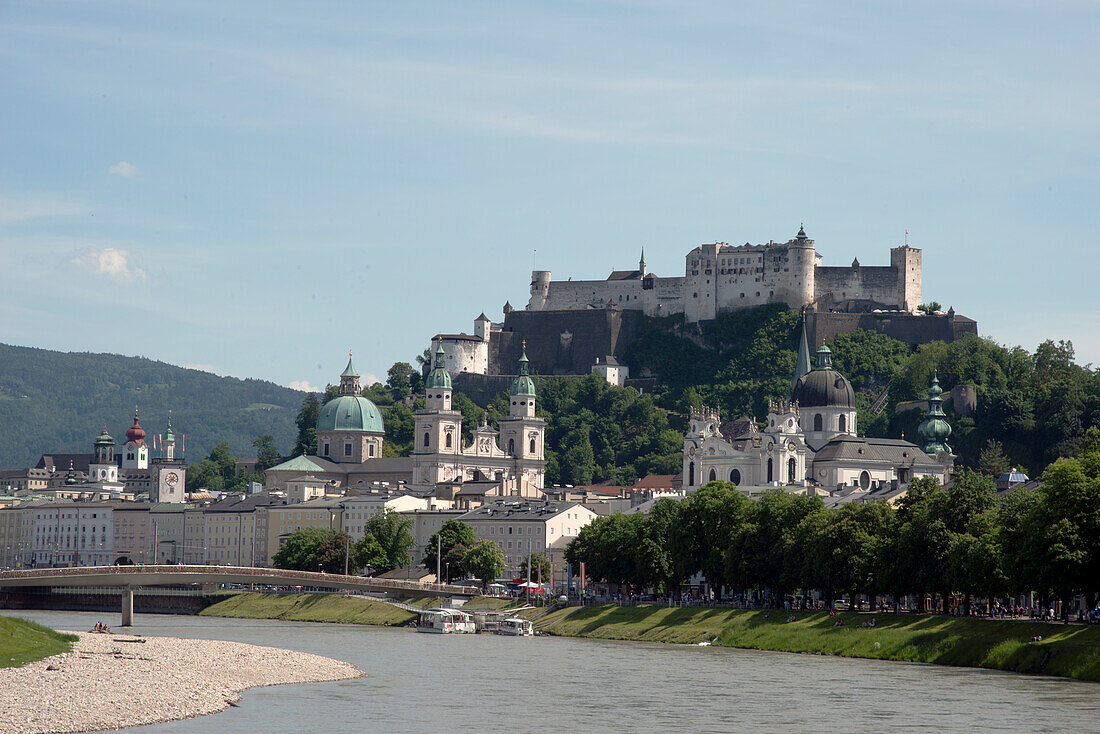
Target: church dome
523,385
439,378
350,413
104,438
823,386
136,434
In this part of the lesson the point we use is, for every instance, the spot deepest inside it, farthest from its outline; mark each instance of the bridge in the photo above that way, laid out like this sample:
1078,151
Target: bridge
127,578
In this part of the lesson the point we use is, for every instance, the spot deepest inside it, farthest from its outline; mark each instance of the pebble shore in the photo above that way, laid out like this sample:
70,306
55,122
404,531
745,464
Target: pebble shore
111,681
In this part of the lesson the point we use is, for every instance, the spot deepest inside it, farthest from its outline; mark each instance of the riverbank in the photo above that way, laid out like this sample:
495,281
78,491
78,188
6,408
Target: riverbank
1069,651
22,642
110,681
335,608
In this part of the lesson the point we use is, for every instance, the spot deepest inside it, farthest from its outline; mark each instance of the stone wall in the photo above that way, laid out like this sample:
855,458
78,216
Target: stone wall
562,342
913,329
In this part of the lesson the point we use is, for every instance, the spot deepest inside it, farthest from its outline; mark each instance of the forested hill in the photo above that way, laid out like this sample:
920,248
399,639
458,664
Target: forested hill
59,401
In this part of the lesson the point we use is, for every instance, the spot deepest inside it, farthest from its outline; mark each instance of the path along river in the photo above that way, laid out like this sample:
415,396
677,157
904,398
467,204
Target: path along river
485,683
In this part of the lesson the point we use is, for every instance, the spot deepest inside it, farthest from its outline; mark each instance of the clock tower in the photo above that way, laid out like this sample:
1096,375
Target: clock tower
169,473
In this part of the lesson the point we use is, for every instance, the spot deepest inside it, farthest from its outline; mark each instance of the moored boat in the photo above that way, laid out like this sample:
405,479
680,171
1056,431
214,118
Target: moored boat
445,621
516,627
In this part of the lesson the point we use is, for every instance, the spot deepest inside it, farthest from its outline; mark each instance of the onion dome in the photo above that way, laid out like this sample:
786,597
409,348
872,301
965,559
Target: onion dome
801,232
104,438
136,434
70,477
439,378
935,429
823,386
523,385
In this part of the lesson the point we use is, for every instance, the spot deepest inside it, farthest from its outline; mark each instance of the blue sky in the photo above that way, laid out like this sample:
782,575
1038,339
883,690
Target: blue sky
252,188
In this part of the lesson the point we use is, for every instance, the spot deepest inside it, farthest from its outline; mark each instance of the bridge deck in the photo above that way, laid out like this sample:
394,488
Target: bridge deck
130,576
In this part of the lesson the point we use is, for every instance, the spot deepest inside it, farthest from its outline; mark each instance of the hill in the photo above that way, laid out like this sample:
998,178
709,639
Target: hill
58,401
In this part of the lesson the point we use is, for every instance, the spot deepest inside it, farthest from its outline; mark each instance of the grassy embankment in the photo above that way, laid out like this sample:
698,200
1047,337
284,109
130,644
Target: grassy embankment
326,608
1070,651
23,642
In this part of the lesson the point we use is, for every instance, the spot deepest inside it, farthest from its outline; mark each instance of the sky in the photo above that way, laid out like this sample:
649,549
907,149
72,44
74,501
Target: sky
253,188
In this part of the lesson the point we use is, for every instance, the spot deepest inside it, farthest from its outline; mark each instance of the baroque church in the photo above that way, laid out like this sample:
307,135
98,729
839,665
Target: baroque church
350,434
810,440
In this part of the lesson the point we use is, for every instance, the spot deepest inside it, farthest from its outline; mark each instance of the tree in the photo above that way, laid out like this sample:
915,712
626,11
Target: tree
307,425
930,308
992,460
314,549
484,561
453,533
267,455
540,567
391,531
402,379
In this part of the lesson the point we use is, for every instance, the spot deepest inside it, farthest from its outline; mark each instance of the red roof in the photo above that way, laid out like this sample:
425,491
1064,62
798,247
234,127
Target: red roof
655,482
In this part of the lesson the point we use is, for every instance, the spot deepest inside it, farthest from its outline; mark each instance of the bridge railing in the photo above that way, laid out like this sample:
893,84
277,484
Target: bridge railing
277,576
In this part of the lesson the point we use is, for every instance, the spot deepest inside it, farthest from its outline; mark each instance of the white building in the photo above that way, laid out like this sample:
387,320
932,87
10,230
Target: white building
65,533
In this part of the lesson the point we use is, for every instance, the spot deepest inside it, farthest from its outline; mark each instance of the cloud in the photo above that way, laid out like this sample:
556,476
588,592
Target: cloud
110,261
122,168
304,386
24,208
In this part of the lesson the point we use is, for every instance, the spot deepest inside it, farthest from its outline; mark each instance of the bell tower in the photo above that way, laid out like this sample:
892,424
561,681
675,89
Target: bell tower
522,433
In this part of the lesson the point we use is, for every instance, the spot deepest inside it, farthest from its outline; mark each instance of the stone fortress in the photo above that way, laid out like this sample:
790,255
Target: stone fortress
720,277
575,327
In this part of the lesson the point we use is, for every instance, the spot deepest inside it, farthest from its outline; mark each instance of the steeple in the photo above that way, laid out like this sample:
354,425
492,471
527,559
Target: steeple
935,429
641,263
349,379
136,434
824,357
439,378
802,364
70,478
523,386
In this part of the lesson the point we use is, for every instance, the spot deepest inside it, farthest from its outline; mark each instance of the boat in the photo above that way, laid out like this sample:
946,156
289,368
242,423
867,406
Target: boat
516,627
445,621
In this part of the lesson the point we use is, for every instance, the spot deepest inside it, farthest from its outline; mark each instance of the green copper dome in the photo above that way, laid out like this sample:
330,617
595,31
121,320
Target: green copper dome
350,413
439,378
934,429
104,438
523,385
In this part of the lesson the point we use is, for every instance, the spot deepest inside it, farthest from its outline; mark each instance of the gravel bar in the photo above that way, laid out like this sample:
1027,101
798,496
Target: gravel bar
111,681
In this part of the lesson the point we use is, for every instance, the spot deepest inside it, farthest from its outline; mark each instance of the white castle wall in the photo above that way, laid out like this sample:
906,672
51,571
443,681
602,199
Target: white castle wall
720,277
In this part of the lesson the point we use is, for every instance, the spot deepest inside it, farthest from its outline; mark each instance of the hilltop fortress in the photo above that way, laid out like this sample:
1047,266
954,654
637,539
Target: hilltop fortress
574,327
720,277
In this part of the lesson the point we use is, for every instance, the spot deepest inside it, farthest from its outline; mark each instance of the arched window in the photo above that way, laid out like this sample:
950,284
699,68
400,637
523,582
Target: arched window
843,423
370,450
427,440
791,470
770,472
448,440
817,421
532,450
864,480
511,446
713,476
735,476
691,474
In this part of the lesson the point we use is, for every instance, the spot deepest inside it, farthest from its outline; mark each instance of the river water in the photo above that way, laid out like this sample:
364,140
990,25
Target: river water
486,683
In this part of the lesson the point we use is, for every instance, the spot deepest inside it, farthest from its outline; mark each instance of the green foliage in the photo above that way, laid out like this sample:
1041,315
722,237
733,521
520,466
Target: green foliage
306,421
453,534
267,455
316,549
391,532
484,561
540,567
57,402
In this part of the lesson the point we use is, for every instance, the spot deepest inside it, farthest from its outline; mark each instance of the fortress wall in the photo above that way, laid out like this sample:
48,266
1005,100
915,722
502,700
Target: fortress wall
562,342
465,356
575,294
876,283
913,329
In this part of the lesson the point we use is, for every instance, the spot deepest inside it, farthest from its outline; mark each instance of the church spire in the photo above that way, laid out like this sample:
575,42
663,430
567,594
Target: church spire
349,379
802,365
641,262
935,429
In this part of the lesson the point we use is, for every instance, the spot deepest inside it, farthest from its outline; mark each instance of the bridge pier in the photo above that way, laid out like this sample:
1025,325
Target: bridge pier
127,607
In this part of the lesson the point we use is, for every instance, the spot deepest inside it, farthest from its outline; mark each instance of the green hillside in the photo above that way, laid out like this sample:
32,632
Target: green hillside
58,401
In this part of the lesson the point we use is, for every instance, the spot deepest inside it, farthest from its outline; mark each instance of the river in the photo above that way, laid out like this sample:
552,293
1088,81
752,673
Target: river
486,683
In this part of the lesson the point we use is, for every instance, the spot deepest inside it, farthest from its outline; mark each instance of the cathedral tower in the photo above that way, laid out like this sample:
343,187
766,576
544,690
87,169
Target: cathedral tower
522,433
103,467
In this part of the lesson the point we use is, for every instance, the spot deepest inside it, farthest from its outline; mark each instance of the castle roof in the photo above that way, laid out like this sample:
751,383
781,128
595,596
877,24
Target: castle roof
625,275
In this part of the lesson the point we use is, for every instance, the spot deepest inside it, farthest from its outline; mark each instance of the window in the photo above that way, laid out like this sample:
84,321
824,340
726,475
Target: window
448,440
817,421
691,474
735,476
713,476
532,445
791,470
427,440
770,470
347,449
511,446
325,449
371,450
843,422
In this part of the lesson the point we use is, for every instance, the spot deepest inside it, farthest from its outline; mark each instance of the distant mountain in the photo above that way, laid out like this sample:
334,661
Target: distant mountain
59,401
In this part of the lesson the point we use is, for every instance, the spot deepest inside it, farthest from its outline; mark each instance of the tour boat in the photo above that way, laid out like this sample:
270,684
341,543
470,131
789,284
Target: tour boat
516,627
445,621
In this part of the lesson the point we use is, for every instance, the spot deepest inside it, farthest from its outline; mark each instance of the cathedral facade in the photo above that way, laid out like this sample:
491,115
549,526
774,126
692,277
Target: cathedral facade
810,440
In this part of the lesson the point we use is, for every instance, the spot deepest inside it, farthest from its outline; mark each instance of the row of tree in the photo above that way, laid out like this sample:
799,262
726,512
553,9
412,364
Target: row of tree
962,541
